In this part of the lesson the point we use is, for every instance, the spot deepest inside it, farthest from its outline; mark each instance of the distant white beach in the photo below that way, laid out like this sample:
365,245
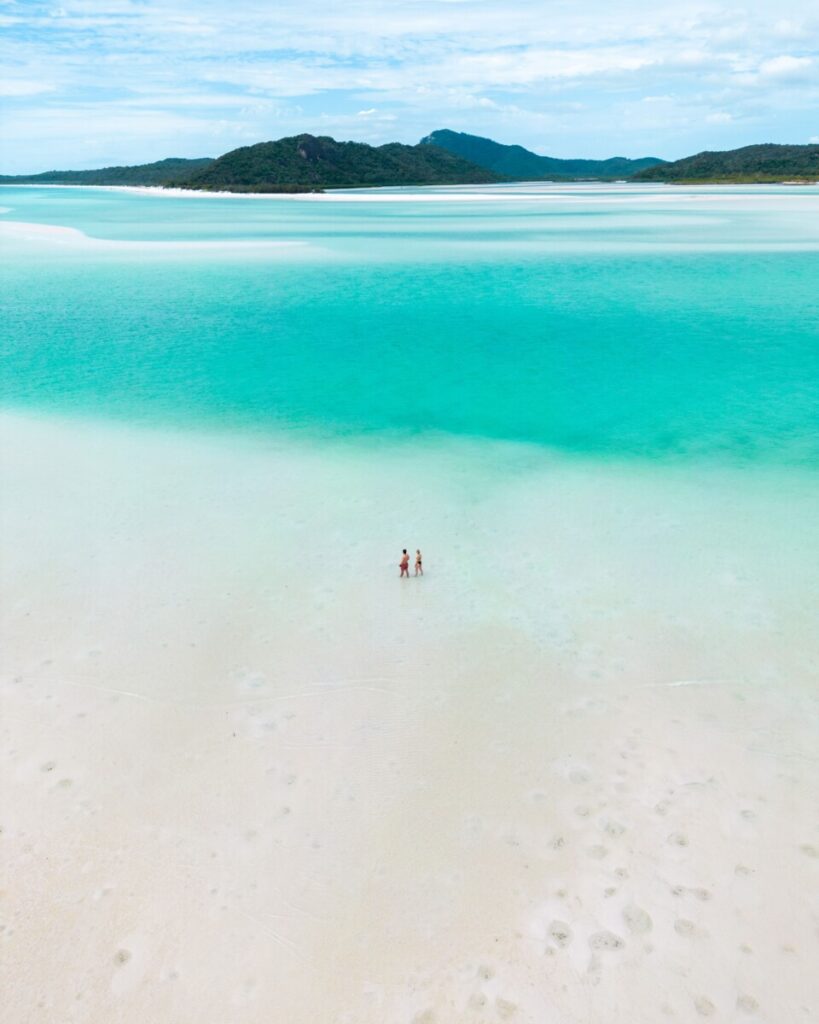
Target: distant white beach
503,192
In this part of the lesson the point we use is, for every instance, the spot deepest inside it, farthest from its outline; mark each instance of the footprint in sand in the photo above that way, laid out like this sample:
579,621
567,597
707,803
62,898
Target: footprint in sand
688,929
637,920
606,940
597,852
678,839
561,933
505,1008
747,1004
122,957
704,1006
809,851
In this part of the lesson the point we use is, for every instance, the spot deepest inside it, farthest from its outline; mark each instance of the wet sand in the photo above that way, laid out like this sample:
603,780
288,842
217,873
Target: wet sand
250,775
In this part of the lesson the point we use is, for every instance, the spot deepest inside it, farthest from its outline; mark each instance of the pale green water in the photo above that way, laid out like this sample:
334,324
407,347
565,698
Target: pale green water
617,321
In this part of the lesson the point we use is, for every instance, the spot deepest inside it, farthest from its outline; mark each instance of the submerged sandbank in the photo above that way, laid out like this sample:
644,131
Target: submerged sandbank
249,775
53,235
27,236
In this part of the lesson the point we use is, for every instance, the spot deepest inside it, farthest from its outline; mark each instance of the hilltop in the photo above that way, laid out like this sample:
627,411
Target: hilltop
515,162
309,162
764,163
162,172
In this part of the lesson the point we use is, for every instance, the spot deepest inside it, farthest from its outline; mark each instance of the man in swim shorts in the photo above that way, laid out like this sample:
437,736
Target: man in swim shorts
403,565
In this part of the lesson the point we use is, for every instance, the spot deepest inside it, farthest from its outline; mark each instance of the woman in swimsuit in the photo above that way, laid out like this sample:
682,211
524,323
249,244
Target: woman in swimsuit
403,565
419,567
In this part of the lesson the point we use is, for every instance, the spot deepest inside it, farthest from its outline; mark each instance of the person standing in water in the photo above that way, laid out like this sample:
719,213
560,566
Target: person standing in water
403,565
419,565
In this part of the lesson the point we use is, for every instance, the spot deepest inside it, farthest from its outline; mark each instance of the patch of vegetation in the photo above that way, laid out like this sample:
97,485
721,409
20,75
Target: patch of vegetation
162,172
308,162
766,163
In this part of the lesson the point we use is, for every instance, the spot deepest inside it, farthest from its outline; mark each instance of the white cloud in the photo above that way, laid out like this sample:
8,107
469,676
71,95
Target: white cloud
785,66
22,87
610,74
789,29
373,116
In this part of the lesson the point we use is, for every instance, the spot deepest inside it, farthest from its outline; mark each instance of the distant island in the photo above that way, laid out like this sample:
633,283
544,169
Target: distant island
310,163
163,172
519,164
750,164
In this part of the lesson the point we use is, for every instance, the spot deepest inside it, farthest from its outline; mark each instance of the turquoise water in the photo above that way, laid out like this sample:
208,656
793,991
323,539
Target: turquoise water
614,321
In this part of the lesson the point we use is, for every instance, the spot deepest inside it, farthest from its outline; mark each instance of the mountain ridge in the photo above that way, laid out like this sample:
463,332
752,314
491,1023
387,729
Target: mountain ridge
516,162
309,163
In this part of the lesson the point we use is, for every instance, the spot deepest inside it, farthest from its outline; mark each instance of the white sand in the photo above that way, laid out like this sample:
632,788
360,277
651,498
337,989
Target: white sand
72,239
251,776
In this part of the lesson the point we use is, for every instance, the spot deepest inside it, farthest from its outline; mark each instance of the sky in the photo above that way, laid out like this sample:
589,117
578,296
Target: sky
88,83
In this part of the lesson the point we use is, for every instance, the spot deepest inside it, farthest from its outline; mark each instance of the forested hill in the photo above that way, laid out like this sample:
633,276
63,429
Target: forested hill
750,164
163,172
304,163
521,164
307,162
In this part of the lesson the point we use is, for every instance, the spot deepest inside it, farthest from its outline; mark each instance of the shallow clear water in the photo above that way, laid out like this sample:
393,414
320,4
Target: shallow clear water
611,321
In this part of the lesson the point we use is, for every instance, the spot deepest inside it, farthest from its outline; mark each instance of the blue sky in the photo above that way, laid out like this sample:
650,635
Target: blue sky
92,82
